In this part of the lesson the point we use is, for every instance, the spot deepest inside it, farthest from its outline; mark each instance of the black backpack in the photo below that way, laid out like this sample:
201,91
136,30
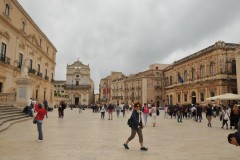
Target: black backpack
130,122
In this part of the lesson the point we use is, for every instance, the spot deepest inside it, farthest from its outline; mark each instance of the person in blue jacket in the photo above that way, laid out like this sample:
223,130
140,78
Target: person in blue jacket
136,127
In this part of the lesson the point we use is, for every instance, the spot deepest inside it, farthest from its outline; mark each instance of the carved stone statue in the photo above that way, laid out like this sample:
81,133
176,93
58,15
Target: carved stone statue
24,68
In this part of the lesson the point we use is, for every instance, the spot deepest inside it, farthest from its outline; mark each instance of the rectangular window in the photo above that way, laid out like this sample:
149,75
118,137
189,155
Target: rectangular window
185,97
30,64
45,72
179,98
77,83
3,51
212,94
1,86
38,68
20,60
202,97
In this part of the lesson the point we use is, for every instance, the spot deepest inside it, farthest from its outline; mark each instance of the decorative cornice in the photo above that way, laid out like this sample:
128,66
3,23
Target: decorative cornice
5,35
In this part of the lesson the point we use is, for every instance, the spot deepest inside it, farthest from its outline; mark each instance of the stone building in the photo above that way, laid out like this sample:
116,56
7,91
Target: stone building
237,55
105,89
117,87
206,73
78,87
23,43
143,87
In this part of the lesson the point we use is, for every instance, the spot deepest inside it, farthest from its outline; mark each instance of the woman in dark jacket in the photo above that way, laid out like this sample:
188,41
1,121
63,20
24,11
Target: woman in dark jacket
136,127
209,114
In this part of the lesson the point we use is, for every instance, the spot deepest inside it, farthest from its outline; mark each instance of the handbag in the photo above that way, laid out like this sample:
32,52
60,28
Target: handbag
34,121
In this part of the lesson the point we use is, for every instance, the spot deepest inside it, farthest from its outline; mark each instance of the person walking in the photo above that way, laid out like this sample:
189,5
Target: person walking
118,109
154,114
166,111
45,103
145,111
41,112
136,127
103,110
110,110
209,114
234,117
225,117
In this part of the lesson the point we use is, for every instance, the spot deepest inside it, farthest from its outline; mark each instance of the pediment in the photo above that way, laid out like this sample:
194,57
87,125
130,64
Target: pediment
5,35
22,45
33,38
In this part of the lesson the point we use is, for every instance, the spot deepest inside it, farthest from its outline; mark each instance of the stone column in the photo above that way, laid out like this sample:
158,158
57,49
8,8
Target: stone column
238,68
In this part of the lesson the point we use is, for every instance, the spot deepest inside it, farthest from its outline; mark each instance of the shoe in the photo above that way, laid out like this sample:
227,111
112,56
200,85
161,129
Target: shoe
126,146
143,149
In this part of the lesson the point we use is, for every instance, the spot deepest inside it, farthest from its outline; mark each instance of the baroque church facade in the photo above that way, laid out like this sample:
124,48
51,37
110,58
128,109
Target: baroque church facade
78,89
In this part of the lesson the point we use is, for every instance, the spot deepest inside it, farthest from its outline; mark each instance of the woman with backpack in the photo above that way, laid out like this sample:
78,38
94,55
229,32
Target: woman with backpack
136,127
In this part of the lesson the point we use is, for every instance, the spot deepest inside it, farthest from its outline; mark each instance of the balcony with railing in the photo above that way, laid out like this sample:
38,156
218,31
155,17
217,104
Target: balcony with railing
39,74
31,70
46,78
5,60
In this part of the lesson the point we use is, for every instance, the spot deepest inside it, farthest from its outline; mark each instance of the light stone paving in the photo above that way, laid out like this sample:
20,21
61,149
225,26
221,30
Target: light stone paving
87,137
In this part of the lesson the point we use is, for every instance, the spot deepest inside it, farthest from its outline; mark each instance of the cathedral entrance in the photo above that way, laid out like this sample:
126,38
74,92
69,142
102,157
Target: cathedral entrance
76,100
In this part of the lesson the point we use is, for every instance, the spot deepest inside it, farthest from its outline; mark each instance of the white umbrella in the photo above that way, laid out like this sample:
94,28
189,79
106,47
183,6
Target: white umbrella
226,96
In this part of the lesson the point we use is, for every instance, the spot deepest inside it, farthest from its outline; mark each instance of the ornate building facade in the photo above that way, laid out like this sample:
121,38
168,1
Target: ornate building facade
206,73
78,87
237,54
21,40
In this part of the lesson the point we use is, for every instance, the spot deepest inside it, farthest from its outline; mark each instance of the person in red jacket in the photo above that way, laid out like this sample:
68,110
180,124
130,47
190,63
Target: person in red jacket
41,112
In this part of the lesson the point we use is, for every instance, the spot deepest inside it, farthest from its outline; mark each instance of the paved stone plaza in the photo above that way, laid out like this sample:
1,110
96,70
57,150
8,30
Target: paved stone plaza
87,137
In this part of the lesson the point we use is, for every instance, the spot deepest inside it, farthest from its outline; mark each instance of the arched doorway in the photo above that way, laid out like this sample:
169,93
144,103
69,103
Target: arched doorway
194,98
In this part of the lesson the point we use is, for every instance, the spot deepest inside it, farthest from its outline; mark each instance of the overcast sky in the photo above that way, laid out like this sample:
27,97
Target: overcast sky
129,35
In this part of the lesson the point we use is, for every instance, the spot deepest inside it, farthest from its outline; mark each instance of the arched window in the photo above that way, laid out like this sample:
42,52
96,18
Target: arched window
202,73
211,68
185,75
170,80
7,10
23,25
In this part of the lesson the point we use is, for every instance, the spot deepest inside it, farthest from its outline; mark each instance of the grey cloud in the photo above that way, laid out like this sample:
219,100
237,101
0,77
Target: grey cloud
128,35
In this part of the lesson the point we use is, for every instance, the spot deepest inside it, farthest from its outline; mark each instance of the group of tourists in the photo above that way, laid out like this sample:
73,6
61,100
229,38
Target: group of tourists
141,113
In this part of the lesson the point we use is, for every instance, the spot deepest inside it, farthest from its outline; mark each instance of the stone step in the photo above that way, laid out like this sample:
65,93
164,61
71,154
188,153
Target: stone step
7,124
10,112
12,115
2,121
